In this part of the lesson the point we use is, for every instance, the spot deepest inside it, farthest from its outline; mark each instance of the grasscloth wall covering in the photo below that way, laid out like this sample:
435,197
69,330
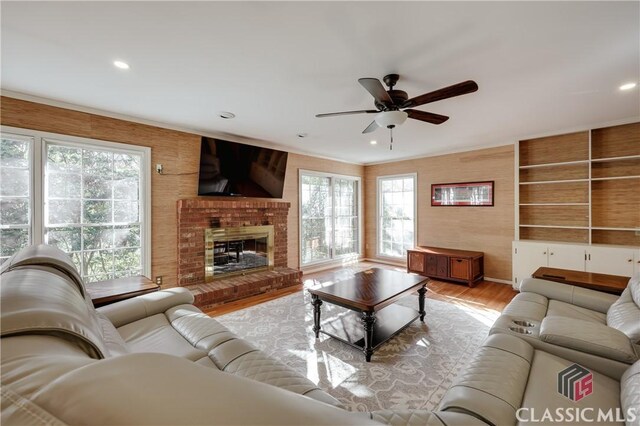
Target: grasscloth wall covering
487,229
179,152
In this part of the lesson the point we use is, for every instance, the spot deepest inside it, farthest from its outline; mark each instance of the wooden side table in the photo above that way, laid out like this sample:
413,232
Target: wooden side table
111,291
614,284
447,264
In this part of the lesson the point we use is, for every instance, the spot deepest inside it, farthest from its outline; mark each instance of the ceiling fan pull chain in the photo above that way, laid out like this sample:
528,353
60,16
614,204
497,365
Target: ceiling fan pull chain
391,134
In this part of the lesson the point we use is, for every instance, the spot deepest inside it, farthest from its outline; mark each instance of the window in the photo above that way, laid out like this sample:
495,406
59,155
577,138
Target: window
92,209
16,176
329,217
93,201
396,215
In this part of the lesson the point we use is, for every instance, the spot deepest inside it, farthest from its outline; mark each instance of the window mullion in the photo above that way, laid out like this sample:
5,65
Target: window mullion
82,265
37,196
332,249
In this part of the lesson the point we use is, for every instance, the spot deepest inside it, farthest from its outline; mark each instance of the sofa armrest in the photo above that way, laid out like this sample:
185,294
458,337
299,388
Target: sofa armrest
583,297
587,336
137,308
159,389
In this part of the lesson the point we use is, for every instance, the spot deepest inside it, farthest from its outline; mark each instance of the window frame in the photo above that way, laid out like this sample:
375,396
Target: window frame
379,197
31,141
39,160
331,176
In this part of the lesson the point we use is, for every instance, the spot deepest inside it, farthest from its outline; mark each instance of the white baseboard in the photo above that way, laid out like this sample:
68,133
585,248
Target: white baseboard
386,262
327,265
497,280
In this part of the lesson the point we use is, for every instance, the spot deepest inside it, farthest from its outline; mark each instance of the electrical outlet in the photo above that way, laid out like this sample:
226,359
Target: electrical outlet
159,168
159,280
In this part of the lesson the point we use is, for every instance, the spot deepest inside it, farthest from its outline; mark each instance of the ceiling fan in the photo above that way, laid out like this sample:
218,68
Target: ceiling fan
393,107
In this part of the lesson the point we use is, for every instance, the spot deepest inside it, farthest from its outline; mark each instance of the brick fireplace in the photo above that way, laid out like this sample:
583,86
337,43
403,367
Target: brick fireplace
195,216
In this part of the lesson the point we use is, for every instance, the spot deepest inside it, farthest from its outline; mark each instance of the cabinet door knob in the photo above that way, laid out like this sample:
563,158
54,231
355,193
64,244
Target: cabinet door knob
630,260
551,253
544,252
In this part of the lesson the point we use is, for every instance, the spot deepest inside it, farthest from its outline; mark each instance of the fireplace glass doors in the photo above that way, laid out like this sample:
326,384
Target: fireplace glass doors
231,251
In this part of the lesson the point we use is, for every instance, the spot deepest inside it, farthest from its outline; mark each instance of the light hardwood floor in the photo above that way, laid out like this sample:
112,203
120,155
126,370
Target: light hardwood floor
486,294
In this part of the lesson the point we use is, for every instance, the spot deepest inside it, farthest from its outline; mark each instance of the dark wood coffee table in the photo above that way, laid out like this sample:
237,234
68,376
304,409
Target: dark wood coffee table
371,295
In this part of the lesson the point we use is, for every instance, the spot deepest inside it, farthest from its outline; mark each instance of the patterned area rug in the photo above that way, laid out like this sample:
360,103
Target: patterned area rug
412,370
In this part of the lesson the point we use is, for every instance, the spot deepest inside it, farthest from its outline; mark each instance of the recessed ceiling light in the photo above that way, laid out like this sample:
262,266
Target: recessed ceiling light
628,86
302,135
226,115
373,142
122,65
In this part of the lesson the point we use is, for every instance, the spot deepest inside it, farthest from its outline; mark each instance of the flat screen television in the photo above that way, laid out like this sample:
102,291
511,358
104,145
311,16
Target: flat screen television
236,169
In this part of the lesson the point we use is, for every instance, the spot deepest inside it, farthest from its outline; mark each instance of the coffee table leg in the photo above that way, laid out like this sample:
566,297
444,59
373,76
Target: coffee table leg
421,293
368,319
316,314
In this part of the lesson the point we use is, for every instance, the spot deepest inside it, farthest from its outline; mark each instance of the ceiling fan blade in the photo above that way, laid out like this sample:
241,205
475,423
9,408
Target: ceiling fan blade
429,117
371,127
463,88
376,89
364,111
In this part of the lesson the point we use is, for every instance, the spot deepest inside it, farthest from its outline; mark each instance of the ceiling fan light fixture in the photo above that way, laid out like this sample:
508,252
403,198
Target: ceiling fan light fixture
391,118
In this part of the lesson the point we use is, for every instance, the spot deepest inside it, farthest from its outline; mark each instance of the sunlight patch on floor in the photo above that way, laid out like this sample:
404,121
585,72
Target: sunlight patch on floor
338,371
482,315
424,343
327,367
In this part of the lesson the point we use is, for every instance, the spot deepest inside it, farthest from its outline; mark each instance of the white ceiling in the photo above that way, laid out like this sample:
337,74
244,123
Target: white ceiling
541,67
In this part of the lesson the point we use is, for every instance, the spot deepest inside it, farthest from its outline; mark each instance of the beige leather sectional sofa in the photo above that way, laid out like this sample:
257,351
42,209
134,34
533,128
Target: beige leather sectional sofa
597,330
158,360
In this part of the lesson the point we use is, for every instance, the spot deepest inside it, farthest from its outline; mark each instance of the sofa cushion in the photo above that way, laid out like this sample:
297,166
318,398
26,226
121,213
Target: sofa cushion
562,309
630,390
111,338
527,305
624,314
256,365
158,302
404,418
493,383
46,256
36,301
157,389
32,361
542,390
584,297
202,331
155,334
588,336
421,418
18,410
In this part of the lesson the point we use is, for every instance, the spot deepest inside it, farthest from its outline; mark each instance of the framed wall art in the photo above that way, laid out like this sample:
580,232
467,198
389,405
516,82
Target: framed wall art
469,194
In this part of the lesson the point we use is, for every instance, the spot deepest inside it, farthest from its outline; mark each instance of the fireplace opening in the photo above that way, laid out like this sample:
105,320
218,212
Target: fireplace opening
231,251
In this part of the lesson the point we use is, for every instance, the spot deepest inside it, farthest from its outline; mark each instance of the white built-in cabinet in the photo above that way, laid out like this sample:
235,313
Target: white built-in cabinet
578,202
531,255
613,260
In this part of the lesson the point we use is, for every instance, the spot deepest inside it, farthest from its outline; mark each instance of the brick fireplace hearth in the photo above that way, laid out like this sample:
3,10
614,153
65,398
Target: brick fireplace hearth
196,215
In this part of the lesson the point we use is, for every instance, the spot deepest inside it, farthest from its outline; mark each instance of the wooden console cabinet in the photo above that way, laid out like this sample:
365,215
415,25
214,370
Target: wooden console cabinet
447,264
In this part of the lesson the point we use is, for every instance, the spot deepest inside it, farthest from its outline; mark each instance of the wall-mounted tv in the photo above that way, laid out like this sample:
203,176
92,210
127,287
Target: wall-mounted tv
236,169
